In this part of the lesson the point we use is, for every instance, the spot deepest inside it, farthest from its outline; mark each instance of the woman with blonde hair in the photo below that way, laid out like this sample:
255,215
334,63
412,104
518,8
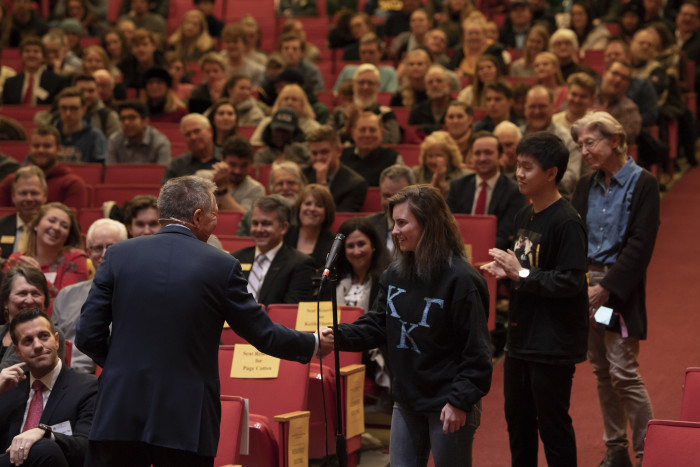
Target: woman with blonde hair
191,39
474,45
537,41
487,71
549,75
440,161
253,39
96,58
292,95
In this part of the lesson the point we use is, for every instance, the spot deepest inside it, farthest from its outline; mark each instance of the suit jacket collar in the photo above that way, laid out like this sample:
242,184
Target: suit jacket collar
272,272
58,392
176,228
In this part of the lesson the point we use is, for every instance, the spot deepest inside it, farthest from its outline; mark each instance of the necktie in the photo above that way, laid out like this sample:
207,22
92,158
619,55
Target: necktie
30,91
255,279
36,406
481,200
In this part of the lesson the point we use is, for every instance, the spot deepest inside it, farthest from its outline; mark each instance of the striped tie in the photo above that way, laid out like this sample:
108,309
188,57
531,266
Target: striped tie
256,277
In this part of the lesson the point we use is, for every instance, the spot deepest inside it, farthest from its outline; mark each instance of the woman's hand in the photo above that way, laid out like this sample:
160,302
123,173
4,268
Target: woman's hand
25,260
452,418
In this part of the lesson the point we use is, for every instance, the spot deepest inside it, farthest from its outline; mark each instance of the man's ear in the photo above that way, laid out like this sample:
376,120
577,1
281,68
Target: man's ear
552,173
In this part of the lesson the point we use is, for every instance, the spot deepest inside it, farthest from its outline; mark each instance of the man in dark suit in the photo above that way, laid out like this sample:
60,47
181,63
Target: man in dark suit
348,187
276,273
28,195
392,180
487,191
159,407
429,114
55,435
36,84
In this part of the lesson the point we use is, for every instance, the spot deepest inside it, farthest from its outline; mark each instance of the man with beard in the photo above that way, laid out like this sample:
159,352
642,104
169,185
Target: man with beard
429,115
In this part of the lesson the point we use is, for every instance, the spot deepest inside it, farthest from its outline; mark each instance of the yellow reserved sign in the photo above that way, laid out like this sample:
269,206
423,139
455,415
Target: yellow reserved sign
306,316
249,362
298,450
468,249
355,407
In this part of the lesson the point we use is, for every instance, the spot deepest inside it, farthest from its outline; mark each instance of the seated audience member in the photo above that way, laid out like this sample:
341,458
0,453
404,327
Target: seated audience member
458,123
297,8
235,189
688,33
537,41
144,56
107,88
440,161
348,187
115,44
163,105
370,52
284,140
239,89
64,185
488,191
487,71
579,100
365,85
436,42
73,32
519,93
191,39
412,87
360,25
420,23
214,71
10,130
127,27
290,96
137,142
102,234
294,26
69,397
590,36
517,24
55,246
315,212
101,117
450,20
253,39
224,121
96,58
612,99
293,53
286,179
158,7
234,53
91,14
564,45
26,22
28,195
361,261
398,20
278,273
643,54
429,115
144,19
177,70
474,45
629,18
81,142
368,157
200,154
509,135
141,216
59,58
499,102
214,24
548,74
36,84
539,109
392,180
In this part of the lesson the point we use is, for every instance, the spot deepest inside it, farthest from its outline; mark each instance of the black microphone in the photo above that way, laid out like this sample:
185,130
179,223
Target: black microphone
332,256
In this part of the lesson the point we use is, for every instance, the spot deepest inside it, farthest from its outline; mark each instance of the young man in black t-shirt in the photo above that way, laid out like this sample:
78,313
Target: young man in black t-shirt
548,318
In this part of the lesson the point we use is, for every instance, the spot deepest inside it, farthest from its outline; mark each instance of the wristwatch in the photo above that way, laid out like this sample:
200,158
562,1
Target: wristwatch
524,273
47,430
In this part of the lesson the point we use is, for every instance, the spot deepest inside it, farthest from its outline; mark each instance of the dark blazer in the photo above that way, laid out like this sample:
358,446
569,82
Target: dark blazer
288,280
50,81
378,221
72,399
626,279
422,115
348,188
8,228
506,201
167,296
321,249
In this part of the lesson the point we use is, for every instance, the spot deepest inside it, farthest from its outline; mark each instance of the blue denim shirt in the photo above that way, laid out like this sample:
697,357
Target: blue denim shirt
608,213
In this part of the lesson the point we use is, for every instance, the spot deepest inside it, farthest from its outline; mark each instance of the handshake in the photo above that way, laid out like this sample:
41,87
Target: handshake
326,342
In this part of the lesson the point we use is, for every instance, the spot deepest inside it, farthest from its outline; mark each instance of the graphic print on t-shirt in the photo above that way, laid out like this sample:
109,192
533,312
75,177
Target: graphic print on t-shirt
527,248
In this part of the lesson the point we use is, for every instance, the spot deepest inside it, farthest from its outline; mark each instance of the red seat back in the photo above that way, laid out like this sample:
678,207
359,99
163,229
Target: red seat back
87,216
672,443
373,201
690,403
121,193
227,222
410,153
129,174
233,243
341,217
231,423
90,172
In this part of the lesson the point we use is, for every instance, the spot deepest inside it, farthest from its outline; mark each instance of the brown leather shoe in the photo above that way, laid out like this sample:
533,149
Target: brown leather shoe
616,458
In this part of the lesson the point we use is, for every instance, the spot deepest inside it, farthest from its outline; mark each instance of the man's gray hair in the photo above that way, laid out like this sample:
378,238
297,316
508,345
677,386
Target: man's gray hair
117,227
275,203
29,171
199,118
396,173
366,67
181,197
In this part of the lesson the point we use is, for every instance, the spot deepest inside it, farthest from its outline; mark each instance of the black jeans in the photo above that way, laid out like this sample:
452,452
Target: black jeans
537,397
136,454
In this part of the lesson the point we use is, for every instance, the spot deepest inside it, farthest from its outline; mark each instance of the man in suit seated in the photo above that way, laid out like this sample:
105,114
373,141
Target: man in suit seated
276,273
392,180
63,185
348,187
429,114
36,431
36,84
487,191
28,195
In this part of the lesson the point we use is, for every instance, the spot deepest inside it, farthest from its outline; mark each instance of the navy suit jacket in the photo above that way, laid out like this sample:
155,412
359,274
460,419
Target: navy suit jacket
288,279
50,81
506,201
167,296
8,228
348,188
72,399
